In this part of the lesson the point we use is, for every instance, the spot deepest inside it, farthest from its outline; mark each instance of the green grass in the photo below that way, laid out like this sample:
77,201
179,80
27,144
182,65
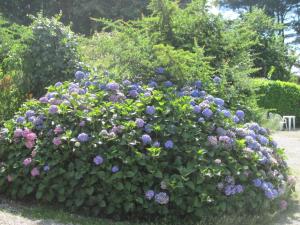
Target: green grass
41,212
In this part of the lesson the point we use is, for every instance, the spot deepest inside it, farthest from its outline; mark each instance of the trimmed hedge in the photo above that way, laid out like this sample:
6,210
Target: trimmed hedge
280,97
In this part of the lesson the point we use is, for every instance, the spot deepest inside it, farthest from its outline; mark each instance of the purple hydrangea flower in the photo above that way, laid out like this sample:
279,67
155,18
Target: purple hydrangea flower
207,113
169,144
149,194
146,139
139,123
219,101
263,140
133,93
147,94
240,114
18,133
79,75
88,83
162,198
168,84
53,109
192,103
230,190
83,137
239,188
115,169
150,110
98,160
113,86
202,94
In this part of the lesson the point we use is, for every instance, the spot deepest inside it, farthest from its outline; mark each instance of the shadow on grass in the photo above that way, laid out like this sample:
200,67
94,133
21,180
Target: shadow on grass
50,215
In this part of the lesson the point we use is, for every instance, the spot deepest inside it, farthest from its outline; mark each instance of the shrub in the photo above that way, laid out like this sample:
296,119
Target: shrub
50,54
280,97
131,150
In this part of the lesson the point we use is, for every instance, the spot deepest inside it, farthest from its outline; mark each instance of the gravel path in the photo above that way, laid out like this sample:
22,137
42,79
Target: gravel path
10,215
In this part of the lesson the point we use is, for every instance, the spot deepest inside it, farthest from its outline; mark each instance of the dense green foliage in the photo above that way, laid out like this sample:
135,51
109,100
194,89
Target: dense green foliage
49,53
280,97
77,12
140,151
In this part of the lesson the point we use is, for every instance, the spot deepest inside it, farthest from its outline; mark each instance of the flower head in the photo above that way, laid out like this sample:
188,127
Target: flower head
113,86
162,198
27,161
146,139
53,109
57,141
139,123
169,144
35,172
240,114
98,160
83,137
207,113
115,169
150,110
149,194
79,75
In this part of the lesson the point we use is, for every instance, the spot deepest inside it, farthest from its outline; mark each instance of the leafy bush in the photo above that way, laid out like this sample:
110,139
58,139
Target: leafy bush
129,150
49,54
280,97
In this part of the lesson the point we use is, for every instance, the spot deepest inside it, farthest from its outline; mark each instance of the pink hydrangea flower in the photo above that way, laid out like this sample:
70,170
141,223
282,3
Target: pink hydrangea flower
57,141
58,130
27,161
29,144
35,172
9,178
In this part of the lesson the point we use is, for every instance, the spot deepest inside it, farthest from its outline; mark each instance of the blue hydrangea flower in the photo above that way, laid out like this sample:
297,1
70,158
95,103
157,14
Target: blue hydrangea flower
53,109
113,86
58,84
169,144
148,128
156,144
257,182
160,70
207,113
219,101
229,190
239,188
150,110
198,84
202,94
236,119
226,113
133,93
263,140
88,83
98,160
195,93
46,168
168,84
79,75
201,120
240,114
197,109
126,82
20,119
115,169
146,139
152,84
162,198
29,113
43,100
139,123
83,137
217,80
149,194
192,103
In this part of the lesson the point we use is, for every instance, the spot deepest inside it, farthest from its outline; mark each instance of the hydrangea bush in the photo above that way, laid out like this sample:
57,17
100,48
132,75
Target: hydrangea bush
141,150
